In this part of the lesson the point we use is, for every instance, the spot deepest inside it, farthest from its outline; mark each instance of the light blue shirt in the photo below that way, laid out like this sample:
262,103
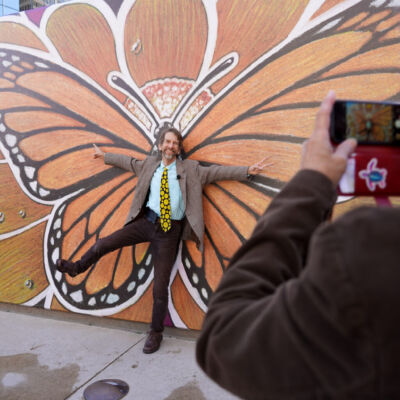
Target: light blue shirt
175,194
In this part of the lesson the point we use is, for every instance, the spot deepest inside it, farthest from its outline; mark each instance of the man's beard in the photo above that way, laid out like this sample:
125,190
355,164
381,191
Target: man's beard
170,156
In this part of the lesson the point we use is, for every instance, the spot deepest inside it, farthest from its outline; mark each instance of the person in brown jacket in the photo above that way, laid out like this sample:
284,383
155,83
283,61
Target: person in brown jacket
310,309
163,222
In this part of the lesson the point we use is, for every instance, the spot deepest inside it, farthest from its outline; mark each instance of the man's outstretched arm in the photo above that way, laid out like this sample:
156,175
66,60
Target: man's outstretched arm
118,160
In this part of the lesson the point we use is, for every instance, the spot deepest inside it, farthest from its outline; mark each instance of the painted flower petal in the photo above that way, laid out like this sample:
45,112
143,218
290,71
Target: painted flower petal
167,43
18,34
90,46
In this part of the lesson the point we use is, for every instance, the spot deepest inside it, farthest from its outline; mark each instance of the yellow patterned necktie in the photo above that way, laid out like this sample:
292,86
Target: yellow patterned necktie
165,205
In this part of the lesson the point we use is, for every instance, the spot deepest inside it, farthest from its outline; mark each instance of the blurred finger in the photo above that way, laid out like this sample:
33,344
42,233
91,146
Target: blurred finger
345,148
323,117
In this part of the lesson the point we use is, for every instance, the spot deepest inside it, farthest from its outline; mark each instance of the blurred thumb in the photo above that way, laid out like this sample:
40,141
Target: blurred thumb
345,148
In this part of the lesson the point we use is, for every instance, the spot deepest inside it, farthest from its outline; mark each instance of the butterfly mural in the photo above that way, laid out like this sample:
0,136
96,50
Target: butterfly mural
241,80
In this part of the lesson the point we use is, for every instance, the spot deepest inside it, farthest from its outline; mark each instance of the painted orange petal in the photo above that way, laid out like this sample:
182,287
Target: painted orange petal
256,28
21,262
189,312
158,46
88,33
16,207
273,79
18,34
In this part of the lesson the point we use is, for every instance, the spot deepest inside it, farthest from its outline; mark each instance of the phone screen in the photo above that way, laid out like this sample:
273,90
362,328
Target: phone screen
367,122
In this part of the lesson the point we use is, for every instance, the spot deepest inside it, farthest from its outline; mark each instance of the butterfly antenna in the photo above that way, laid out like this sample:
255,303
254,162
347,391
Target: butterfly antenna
117,81
219,70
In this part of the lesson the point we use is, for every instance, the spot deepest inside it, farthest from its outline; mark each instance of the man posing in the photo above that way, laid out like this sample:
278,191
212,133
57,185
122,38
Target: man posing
167,207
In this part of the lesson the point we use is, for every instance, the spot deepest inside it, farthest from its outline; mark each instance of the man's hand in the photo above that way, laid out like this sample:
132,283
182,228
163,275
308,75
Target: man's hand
260,166
98,153
318,153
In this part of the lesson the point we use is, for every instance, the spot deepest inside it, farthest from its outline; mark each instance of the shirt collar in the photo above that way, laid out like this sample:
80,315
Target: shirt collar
168,166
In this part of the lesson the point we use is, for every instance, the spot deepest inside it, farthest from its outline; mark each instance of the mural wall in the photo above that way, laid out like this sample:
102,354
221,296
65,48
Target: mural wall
240,79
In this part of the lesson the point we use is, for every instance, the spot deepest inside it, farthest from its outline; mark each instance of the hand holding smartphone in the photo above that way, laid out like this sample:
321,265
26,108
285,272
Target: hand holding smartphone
374,169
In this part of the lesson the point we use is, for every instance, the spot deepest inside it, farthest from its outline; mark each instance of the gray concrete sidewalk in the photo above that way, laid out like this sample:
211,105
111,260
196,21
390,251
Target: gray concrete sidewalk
54,356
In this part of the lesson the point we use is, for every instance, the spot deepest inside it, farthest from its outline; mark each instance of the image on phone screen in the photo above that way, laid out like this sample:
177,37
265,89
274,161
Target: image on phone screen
367,122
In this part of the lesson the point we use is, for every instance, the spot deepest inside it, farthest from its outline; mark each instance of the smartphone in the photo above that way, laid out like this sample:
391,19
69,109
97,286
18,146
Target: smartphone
370,123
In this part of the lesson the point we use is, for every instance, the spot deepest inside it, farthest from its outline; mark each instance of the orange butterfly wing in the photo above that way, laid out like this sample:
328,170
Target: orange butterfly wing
50,116
270,110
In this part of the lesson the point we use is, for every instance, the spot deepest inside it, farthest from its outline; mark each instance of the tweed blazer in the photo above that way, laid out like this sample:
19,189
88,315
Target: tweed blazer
193,177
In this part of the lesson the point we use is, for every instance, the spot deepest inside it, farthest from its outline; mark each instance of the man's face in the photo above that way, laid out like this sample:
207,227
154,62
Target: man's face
169,147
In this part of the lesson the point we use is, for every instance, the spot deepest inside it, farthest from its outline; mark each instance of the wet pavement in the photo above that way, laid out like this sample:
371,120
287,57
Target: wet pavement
51,355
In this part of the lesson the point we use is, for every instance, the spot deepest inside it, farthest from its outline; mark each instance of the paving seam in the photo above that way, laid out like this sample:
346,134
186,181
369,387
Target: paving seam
103,369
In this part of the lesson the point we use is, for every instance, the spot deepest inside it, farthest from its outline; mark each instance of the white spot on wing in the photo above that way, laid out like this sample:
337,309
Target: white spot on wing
11,140
55,255
77,296
43,192
64,288
58,276
141,273
41,65
112,298
30,172
33,185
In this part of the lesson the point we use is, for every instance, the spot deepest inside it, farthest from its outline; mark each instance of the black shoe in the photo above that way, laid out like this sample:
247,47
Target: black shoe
153,342
67,267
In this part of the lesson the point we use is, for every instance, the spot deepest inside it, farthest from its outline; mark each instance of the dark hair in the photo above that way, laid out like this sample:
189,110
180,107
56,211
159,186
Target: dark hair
164,130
